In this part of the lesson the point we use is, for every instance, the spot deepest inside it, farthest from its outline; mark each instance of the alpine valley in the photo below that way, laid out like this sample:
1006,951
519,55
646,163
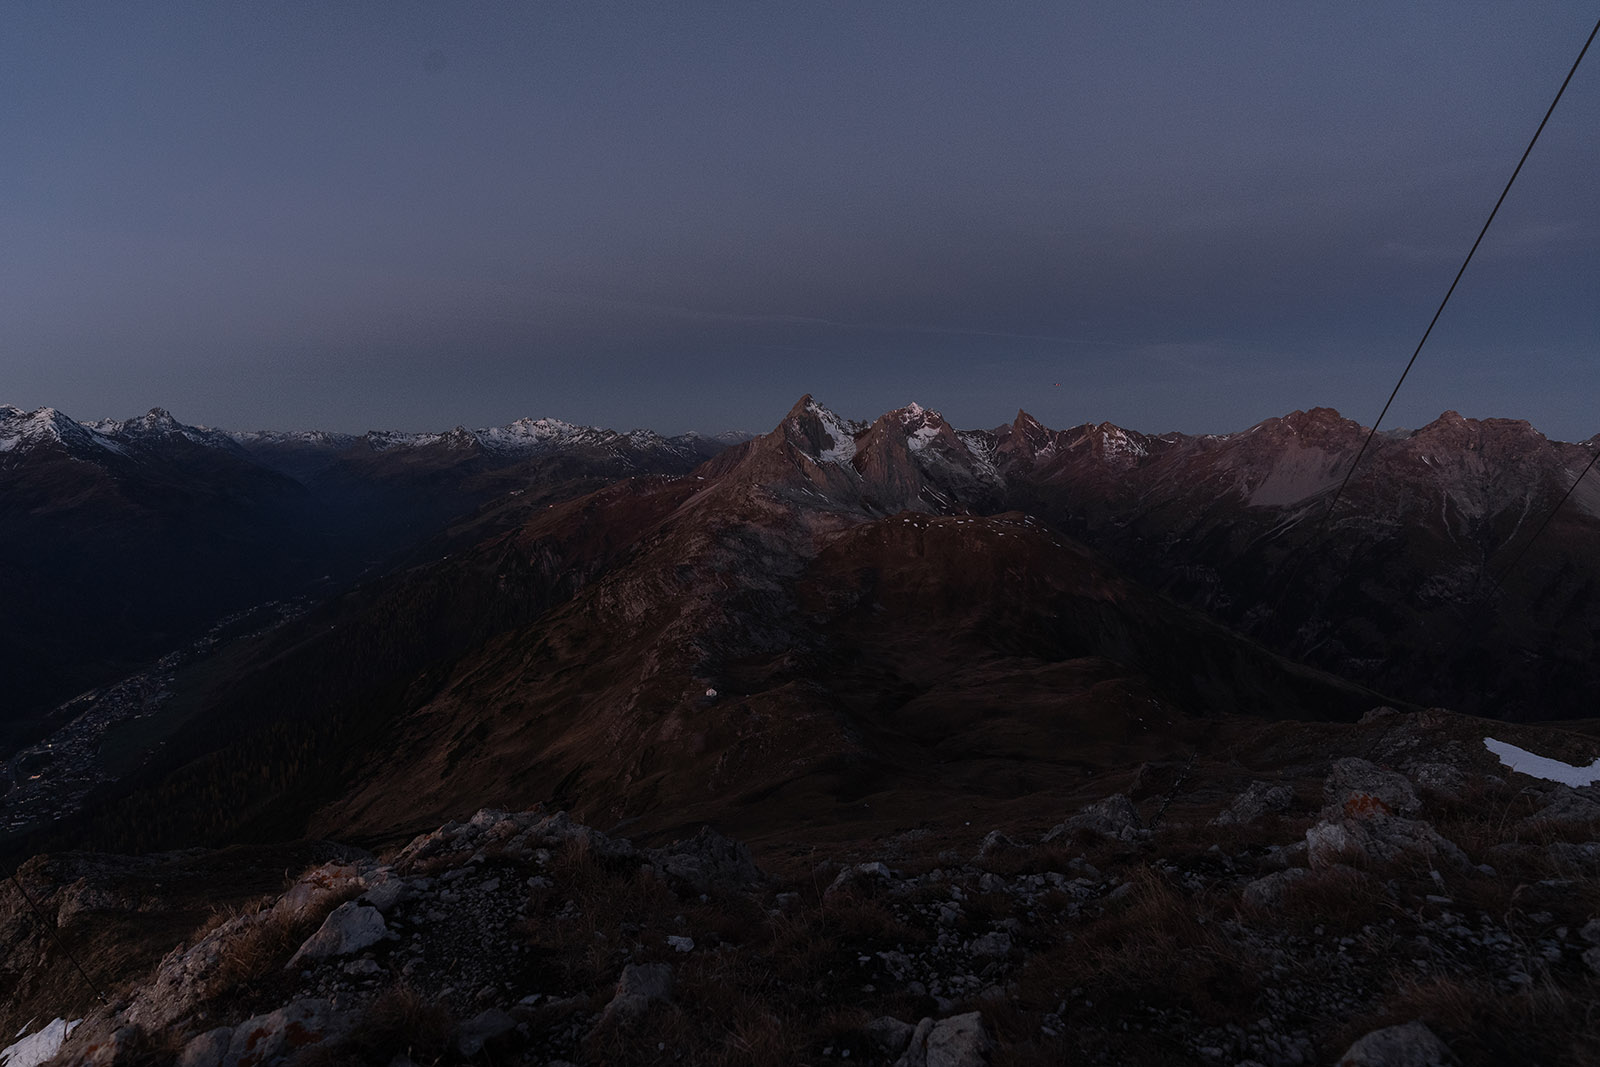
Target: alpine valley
874,740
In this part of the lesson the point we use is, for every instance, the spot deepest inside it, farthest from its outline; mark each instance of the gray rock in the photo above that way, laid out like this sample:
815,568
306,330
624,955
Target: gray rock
889,1035
207,1050
959,1041
1590,931
384,892
1268,892
349,928
273,1037
994,945
859,875
995,842
916,1053
1408,1045
1260,799
641,985
1113,817
1355,787
472,1035
1591,959
1378,714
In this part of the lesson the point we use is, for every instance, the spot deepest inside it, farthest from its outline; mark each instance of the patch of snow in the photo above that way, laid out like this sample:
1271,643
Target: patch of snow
1534,766
922,437
844,441
37,1048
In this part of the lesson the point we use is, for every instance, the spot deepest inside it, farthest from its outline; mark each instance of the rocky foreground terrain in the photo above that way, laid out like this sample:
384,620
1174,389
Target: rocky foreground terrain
1402,898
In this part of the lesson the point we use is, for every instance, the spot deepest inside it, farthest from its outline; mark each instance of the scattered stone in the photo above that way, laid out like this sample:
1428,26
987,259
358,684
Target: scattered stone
1409,1045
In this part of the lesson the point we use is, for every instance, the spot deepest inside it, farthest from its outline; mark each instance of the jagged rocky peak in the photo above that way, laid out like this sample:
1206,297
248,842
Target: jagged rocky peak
1025,438
819,432
922,427
1312,421
1453,430
1111,442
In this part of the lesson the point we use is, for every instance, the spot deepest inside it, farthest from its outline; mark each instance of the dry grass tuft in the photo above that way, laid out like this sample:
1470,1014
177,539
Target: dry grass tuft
1341,898
1544,1024
255,954
1155,946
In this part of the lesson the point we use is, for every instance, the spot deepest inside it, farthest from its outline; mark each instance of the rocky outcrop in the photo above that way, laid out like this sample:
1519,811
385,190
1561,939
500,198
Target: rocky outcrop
1114,817
1356,787
1262,798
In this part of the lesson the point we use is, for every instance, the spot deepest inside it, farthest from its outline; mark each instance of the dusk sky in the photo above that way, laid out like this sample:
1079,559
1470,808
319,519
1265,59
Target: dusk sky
683,215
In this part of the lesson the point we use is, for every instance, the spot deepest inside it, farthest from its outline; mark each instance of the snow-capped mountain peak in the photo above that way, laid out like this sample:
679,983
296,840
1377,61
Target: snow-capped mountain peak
21,431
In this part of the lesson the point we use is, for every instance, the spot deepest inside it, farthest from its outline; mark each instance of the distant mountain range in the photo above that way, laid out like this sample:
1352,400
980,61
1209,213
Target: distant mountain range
121,538
629,624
